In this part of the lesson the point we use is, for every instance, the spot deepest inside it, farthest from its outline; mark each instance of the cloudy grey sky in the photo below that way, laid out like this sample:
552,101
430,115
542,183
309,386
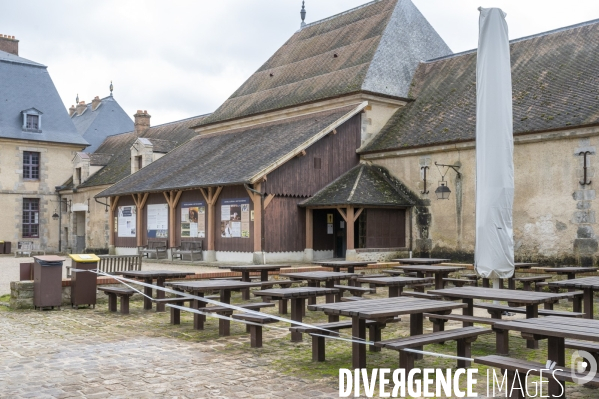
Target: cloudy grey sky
180,58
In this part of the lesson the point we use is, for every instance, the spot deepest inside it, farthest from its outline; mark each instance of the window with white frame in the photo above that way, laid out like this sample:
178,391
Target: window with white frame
32,120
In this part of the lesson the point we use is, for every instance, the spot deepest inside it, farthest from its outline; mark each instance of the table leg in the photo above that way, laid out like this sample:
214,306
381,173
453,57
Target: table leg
224,326
439,283
160,307
556,352
511,283
502,342
358,330
312,300
297,306
395,291
148,295
532,311
330,298
374,335
577,304
263,275
468,311
245,292
350,269
525,286
588,303
416,328
198,319
486,283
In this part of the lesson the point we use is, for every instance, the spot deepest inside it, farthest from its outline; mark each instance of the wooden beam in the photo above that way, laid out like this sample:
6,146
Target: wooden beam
167,196
349,228
257,218
177,198
358,213
267,200
309,229
343,215
144,200
113,205
211,198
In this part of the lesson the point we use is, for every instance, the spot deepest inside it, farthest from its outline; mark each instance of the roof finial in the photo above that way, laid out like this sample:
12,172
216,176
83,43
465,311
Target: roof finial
77,99
303,14
111,88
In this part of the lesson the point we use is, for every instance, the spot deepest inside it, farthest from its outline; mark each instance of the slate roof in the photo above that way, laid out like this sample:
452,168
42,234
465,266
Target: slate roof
25,84
163,146
106,120
363,185
554,78
118,147
232,157
372,48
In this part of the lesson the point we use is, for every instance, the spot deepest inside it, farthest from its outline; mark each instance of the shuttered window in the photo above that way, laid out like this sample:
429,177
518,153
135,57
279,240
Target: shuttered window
31,227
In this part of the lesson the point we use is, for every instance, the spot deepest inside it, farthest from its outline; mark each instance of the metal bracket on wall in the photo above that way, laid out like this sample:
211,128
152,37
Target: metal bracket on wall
425,190
584,168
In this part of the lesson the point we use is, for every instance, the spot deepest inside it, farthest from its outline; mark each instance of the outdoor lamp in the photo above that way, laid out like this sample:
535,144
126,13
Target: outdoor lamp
55,215
443,191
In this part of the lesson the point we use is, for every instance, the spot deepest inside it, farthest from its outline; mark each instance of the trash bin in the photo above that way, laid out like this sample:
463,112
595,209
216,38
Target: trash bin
7,247
2,247
47,281
83,284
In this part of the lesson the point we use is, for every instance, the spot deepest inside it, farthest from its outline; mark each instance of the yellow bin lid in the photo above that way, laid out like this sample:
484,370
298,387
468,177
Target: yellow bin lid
84,258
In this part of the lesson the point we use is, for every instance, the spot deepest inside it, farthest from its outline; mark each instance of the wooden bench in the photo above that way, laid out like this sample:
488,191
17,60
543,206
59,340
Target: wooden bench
435,318
193,249
464,337
155,247
355,291
368,276
459,282
471,276
497,310
255,331
527,281
176,313
236,278
115,263
27,248
539,287
123,293
512,366
352,298
591,347
318,342
421,295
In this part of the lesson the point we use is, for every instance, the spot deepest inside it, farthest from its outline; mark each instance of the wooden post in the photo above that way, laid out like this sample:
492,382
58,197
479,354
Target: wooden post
211,196
309,229
349,229
172,198
140,202
256,199
113,204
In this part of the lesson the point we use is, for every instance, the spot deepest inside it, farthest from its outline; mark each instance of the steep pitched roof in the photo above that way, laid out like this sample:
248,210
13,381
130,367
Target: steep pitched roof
106,120
118,147
364,185
372,48
554,78
232,157
25,84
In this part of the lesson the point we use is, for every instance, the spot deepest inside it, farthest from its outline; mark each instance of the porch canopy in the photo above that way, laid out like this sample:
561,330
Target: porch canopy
364,186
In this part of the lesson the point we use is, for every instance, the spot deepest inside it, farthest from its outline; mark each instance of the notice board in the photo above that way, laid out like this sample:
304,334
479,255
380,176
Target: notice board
193,219
235,218
157,221
126,221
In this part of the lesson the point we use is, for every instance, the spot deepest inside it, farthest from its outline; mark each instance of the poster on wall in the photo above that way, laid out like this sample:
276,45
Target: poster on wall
235,218
193,219
126,221
157,221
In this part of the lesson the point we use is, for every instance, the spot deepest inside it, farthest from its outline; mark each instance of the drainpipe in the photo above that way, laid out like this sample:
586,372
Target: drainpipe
262,241
58,188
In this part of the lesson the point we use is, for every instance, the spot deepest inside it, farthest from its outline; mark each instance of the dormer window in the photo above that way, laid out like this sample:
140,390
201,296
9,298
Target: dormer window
32,120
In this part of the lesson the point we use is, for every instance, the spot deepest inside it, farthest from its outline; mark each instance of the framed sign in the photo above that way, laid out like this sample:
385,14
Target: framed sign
126,222
329,218
193,219
235,218
157,221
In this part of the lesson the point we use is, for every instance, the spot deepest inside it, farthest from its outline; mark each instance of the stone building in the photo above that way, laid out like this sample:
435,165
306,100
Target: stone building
37,143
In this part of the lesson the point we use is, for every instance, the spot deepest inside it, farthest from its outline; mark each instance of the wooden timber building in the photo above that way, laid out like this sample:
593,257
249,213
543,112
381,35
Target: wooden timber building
274,174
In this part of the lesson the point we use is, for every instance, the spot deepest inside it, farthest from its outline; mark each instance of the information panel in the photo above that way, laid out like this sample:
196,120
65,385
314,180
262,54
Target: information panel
157,221
193,219
235,218
126,221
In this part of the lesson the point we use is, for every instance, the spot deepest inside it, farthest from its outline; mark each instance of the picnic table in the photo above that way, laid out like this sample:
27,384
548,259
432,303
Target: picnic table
515,298
199,288
382,310
569,271
555,330
247,269
298,296
511,282
420,261
148,276
395,284
314,279
438,271
339,265
588,286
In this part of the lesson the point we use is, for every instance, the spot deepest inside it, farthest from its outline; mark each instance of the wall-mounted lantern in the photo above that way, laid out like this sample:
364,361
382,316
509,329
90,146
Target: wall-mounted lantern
55,215
443,190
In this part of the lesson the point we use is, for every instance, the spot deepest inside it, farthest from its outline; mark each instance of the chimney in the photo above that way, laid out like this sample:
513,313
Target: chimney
96,103
81,107
9,44
142,122
72,110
